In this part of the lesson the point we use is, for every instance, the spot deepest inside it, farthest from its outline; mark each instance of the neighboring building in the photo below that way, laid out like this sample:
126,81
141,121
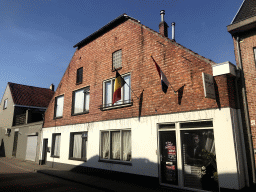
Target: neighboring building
21,119
243,31
187,138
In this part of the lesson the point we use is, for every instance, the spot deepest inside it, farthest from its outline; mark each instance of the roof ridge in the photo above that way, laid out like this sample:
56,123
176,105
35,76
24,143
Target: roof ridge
30,86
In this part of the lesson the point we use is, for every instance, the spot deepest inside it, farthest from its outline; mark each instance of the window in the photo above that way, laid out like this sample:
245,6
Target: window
78,144
81,99
117,59
108,87
5,103
59,101
55,145
79,75
116,145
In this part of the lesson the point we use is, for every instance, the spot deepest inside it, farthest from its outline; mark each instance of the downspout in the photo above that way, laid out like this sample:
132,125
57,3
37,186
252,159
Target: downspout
246,112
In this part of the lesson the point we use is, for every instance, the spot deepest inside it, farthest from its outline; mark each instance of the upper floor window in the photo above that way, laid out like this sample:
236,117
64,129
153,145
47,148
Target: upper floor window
79,75
81,99
5,103
59,101
108,91
117,59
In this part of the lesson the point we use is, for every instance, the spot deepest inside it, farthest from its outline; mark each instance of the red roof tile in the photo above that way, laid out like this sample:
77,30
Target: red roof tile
30,96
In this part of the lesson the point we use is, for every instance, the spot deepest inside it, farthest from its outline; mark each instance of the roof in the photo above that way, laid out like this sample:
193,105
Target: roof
122,18
247,10
104,29
30,96
245,18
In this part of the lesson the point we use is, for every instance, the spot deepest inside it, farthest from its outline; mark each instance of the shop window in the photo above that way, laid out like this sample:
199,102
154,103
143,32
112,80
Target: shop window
56,145
59,101
199,159
117,59
108,87
79,75
81,100
78,146
116,145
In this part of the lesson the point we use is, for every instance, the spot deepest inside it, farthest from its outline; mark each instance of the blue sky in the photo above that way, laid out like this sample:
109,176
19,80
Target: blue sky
37,36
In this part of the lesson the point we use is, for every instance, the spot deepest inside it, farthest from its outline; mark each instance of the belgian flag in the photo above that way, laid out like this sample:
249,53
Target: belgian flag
119,83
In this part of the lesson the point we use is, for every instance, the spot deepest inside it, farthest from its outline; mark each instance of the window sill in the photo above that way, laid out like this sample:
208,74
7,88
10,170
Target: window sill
58,117
104,108
79,83
55,156
77,159
116,162
74,114
117,69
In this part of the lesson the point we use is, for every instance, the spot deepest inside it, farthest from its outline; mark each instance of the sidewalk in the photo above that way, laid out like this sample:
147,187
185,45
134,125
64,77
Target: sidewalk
97,182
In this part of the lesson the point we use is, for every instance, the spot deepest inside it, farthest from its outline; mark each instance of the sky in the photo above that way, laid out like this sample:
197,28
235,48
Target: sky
37,36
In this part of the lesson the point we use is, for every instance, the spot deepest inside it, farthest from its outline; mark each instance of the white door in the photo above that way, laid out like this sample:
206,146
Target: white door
31,148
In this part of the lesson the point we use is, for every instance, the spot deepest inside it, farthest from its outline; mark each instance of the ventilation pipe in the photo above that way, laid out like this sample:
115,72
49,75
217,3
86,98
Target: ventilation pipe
173,31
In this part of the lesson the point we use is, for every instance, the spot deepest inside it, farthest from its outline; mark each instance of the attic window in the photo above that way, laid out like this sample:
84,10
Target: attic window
117,59
5,103
79,75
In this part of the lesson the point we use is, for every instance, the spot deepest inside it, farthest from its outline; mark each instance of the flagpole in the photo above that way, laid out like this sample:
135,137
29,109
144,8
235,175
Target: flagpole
128,86
169,84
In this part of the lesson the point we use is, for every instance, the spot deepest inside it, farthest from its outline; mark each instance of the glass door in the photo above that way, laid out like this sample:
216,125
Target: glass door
168,157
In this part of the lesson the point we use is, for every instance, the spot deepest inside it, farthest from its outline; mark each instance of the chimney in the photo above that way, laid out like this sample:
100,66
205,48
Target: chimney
52,87
163,27
173,31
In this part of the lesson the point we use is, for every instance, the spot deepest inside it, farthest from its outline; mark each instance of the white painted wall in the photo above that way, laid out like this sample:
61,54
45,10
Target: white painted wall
144,143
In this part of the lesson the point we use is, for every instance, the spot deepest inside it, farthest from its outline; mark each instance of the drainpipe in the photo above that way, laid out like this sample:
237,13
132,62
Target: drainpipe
246,112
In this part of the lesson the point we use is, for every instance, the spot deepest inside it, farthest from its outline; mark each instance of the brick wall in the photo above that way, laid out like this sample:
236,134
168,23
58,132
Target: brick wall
181,66
247,43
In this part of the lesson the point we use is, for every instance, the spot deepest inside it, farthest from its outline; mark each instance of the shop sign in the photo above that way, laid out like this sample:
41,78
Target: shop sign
209,91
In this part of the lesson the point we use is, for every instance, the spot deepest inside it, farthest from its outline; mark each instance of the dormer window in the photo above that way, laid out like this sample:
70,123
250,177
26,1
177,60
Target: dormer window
5,103
79,75
117,59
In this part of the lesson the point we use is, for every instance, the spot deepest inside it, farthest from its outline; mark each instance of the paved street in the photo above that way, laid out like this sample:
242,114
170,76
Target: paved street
14,178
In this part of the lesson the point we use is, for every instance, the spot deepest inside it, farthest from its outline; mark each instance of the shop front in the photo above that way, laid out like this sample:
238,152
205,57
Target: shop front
187,155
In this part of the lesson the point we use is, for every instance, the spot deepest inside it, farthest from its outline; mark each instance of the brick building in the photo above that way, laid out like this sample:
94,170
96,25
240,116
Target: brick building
183,138
243,31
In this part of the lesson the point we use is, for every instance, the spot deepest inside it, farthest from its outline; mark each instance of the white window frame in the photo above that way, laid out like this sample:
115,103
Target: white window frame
109,159
56,106
5,103
53,150
121,102
84,143
117,59
86,103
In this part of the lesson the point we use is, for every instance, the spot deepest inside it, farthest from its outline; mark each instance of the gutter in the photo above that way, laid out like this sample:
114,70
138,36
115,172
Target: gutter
246,111
29,106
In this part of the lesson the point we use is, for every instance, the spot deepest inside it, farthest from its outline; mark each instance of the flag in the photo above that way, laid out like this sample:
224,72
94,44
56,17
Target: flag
119,83
164,80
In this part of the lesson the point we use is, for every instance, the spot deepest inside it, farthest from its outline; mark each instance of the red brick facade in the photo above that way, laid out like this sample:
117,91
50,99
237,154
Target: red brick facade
247,44
181,66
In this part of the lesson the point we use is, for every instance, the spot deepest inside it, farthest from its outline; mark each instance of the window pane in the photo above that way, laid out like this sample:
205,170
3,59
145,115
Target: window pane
77,145
126,145
199,159
79,75
108,93
79,101
127,91
56,150
87,101
5,103
105,145
115,145
117,59
59,110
